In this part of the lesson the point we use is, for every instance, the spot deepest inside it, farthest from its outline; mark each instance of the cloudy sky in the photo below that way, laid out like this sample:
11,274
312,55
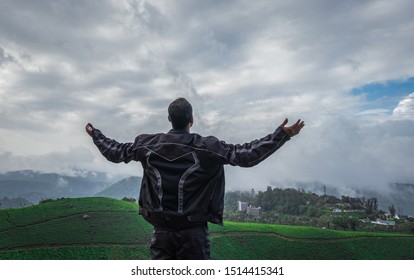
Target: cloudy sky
345,67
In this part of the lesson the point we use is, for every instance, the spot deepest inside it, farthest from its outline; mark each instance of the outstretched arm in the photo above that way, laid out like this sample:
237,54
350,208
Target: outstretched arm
109,148
250,154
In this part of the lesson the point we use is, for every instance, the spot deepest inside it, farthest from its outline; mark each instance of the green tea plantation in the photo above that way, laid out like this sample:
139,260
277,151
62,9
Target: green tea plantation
97,228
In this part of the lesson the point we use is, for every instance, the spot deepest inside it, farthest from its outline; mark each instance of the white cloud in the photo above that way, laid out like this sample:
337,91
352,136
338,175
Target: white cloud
244,65
405,108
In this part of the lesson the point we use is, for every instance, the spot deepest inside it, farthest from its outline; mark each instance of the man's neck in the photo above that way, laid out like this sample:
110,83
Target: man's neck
179,131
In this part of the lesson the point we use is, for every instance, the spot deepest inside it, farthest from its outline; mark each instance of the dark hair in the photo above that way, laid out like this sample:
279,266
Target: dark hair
180,112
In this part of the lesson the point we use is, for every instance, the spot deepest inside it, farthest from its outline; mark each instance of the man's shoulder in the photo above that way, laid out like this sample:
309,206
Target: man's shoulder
150,135
190,139
202,138
148,138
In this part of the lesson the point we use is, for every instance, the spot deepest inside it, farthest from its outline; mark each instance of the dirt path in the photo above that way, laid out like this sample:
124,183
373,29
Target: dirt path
8,219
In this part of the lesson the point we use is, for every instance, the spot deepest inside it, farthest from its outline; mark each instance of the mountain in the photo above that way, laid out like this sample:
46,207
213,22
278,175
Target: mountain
35,186
127,187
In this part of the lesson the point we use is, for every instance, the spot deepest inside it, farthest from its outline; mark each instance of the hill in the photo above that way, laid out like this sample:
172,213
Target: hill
400,195
290,206
104,228
127,187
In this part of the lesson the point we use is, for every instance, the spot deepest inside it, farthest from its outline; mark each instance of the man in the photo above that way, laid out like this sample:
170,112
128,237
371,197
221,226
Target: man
183,182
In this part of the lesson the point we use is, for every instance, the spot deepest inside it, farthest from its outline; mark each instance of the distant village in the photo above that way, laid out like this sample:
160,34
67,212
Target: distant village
387,219
250,210
296,207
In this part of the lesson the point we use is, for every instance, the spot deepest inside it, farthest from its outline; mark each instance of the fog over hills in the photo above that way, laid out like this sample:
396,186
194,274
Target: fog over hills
128,187
401,195
34,186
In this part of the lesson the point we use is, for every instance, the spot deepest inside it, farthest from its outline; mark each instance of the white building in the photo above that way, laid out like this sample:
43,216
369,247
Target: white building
384,222
250,210
241,206
253,211
337,210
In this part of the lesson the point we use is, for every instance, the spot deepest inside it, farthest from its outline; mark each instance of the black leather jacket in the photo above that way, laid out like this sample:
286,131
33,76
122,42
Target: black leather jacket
183,180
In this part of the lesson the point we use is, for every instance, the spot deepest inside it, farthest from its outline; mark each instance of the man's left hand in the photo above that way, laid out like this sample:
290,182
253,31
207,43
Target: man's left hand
293,129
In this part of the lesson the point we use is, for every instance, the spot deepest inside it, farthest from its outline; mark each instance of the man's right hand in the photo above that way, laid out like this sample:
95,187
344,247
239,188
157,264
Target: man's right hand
89,129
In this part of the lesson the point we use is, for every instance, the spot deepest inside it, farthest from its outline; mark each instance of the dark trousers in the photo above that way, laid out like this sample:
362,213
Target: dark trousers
186,244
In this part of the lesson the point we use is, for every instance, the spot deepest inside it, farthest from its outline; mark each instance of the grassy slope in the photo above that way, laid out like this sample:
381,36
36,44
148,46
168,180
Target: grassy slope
57,230
114,230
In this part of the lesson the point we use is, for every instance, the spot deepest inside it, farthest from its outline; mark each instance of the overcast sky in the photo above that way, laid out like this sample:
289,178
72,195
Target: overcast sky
345,67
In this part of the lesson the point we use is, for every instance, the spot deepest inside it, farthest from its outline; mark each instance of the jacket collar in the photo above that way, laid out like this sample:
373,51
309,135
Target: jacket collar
178,131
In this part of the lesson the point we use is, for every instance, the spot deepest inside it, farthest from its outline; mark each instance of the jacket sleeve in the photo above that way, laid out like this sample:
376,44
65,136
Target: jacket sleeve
111,149
250,154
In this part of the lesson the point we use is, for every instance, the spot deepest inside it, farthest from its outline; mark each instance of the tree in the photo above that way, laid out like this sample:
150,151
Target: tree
372,204
392,211
264,199
252,193
130,199
353,223
345,222
340,222
406,227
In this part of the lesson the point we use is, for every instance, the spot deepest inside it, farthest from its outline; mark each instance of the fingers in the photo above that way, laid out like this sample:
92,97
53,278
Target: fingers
284,122
89,128
299,124
293,129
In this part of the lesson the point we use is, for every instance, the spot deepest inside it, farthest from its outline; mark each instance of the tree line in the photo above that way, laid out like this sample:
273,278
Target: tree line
297,207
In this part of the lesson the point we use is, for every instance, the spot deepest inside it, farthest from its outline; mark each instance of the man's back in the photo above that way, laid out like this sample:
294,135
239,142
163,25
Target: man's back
183,178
